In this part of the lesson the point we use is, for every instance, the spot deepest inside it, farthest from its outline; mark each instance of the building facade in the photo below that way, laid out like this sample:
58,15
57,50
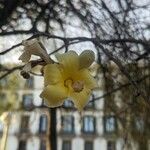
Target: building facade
91,129
26,131
97,128
29,127
88,130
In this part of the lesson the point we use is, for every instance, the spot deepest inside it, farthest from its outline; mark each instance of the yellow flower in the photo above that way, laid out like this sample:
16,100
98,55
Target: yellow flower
70,78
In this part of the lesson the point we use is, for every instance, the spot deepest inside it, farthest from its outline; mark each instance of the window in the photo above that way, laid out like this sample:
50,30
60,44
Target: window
22,145
68,104
43,145
88,145
24,124
111,145
91,104
3,82
67,124
29,83
1,128
110,124
143,145
27,101
139,124
2,97
88,124
43,124
66,145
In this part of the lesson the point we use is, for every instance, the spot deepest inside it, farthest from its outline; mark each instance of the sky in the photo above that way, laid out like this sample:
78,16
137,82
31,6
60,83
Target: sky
71,31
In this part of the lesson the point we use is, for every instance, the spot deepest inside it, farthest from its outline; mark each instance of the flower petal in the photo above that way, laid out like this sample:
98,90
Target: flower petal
70,62
54,95
85,76
34,47
25,57
86,58
27,67
80,99
52,74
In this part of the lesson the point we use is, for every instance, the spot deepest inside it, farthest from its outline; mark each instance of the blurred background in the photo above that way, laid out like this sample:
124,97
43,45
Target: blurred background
117,115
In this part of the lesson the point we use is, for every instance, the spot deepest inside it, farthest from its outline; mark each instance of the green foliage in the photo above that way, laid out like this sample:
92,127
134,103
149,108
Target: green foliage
8,93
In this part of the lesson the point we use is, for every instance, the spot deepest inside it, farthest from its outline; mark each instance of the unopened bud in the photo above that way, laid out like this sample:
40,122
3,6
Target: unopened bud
25,75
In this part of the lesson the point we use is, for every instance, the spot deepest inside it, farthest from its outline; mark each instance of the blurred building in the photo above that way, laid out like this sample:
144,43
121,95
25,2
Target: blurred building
92,129
98,127
27,131
88,130
29,127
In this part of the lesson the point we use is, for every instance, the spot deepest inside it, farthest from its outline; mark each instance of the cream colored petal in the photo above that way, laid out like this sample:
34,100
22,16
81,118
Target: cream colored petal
85,76
54,95
69,61
80,99
52,74
25,57
27,67
35,47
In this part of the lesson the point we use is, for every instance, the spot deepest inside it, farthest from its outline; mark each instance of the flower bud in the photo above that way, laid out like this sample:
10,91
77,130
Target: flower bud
24,74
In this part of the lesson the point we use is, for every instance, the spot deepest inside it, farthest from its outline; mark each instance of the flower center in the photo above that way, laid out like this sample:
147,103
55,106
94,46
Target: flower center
77,86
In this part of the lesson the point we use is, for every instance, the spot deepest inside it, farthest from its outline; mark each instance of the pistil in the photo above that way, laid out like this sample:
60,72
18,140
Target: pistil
78,86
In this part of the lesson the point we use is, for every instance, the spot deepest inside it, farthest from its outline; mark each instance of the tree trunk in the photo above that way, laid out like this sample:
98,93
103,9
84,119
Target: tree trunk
53,132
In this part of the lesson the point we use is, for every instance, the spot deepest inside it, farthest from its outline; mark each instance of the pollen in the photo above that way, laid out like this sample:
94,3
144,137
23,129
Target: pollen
78,86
